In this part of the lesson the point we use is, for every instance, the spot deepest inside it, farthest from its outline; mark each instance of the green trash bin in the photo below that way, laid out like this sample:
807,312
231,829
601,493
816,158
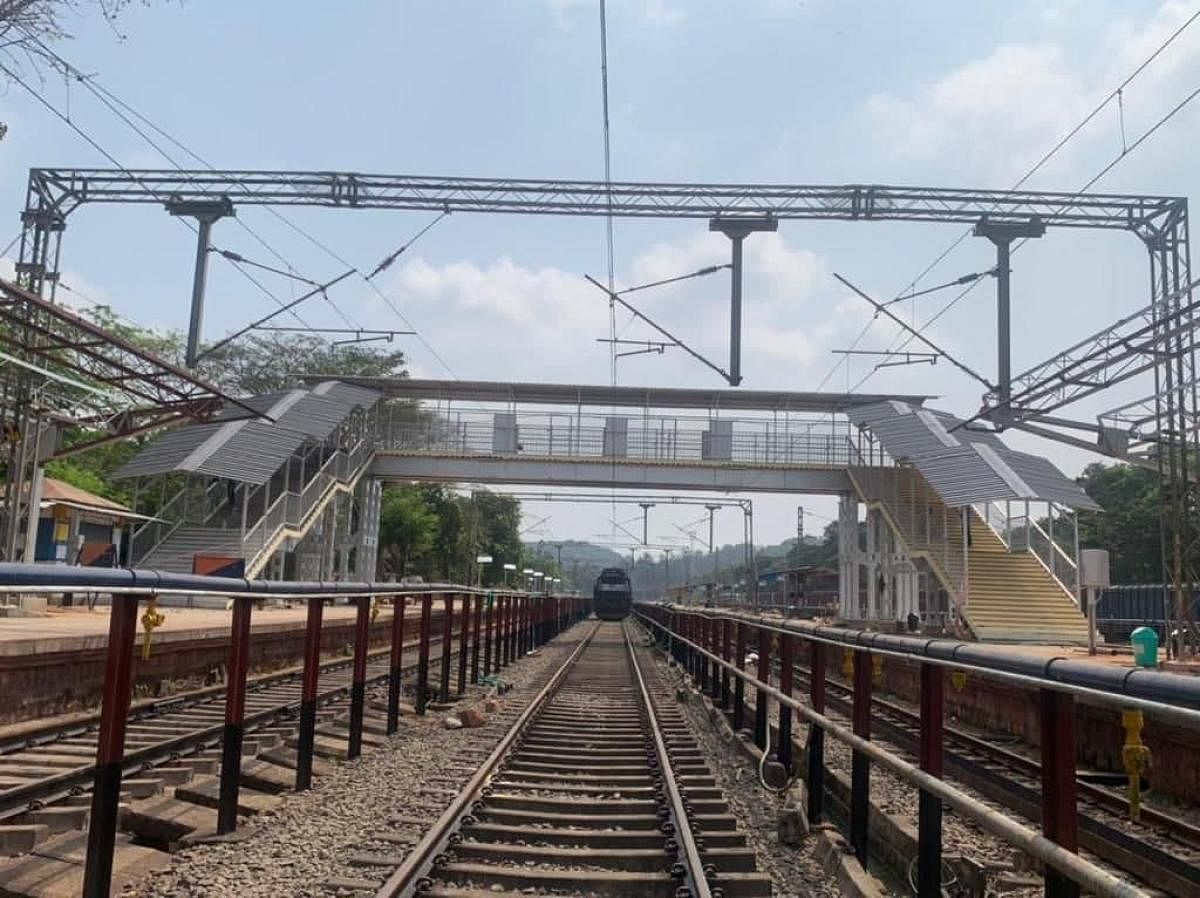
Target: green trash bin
1145,646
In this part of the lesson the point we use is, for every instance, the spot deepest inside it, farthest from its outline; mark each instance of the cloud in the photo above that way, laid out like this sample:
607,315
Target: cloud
990,111
997,115
553,316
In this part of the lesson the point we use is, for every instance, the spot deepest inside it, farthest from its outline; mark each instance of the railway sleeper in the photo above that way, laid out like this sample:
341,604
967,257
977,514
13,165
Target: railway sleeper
642,860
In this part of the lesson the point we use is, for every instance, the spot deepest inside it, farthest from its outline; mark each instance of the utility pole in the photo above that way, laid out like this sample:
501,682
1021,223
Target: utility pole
645,506
712,548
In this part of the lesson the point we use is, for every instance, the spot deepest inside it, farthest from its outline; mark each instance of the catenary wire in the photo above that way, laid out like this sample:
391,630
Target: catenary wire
108,99
307,235
92,142
1046,157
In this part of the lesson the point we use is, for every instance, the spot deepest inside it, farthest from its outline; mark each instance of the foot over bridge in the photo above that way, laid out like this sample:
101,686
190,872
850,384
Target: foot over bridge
937,520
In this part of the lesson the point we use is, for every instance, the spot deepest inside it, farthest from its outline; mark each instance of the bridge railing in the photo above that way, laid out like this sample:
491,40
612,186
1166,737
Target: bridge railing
662,439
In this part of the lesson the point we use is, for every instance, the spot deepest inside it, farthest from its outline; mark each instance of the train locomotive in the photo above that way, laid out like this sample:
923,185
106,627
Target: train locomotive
612,595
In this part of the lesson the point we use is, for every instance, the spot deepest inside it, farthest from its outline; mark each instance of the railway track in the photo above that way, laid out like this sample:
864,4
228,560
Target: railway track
1162,850
598,788
55,764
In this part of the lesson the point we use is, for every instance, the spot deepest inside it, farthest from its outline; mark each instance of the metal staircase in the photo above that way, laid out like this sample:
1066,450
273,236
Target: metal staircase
1010,581
171,545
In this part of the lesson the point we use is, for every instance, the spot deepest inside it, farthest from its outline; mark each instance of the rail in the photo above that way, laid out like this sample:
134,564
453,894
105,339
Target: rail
404,881
693,636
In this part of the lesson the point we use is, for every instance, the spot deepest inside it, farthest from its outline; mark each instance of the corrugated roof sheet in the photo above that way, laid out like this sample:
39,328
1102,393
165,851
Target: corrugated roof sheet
965,465
252,450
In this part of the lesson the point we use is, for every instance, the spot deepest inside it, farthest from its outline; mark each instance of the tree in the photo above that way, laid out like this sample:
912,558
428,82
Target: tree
257,363
1128,526
407,529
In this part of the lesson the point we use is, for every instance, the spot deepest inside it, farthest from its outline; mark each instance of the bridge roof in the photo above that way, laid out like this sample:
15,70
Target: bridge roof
248,450
966,465
633,397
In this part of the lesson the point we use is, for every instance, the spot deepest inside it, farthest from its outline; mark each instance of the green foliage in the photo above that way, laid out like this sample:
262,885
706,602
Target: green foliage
1128,527
407,528
428,531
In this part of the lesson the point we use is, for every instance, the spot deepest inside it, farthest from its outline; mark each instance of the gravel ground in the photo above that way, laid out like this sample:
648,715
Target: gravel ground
795,870
377,805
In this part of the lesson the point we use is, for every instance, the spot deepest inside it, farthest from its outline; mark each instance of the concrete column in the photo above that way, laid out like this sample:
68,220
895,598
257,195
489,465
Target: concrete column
848,556
872,565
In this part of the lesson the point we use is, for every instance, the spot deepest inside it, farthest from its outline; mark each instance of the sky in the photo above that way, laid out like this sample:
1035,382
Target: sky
916,93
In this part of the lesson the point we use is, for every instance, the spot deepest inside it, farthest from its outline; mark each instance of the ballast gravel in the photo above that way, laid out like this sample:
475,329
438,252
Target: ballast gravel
330,840
795,871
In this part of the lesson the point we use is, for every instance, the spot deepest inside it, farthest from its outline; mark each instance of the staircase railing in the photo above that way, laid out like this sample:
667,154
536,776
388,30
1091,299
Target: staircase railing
175,512
290,509
1023,532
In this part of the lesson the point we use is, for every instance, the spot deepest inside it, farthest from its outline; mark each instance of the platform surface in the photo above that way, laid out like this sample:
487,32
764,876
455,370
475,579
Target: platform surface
75,628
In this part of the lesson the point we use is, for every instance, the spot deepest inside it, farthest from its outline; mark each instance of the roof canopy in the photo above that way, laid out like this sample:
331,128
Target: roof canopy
962,464
251,451
635,397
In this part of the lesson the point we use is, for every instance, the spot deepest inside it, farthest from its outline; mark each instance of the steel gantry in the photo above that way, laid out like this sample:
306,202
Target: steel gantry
1158,340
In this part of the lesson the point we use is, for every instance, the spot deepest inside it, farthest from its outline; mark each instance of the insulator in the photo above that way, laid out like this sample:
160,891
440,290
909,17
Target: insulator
678,871
469,820
710,871
441,860
424,884
670,846
683,892
455,839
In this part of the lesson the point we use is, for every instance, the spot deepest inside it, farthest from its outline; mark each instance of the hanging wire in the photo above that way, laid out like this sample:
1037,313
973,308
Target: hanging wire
1046,157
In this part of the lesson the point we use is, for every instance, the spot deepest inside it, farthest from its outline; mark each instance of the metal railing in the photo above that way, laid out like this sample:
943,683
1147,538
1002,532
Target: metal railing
290,509
701,642
175,513
1021,530
642,438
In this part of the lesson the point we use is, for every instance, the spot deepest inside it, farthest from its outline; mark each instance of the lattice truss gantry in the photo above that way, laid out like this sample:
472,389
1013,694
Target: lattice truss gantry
1156,343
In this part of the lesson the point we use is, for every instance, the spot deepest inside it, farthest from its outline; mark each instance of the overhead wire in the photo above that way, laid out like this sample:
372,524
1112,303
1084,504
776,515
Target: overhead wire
95,86
1125,152
92,142
612,303
1037,166
302,232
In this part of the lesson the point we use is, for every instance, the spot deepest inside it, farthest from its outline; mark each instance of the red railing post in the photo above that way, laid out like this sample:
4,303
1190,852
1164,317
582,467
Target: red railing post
397,659
235,713
464,632
447,645
739,686
929,811
725,656
787,664
476,622
1059,822
422,697
358,682
701,638
761,708
489,625
110,747
816,735
308,693
860,765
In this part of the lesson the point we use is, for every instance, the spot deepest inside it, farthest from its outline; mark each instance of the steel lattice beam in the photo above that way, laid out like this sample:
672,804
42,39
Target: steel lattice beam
64,189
